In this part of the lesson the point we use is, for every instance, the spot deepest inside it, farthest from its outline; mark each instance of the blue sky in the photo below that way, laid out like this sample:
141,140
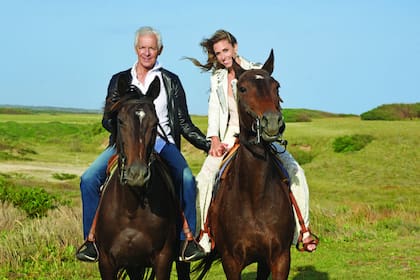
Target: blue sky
337,56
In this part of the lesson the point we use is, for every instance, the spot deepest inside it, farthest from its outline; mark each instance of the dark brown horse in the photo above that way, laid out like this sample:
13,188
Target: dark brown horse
137,217
250,217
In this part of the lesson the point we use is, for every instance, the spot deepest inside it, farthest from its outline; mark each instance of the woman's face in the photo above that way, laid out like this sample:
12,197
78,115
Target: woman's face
225,52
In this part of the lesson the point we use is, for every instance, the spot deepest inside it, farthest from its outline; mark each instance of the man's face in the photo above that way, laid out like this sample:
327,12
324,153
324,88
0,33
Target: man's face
147,51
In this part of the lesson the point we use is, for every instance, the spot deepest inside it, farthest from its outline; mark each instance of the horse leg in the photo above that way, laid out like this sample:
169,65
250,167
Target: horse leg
162,267
183,270
107,270
232,268
263,271
280,266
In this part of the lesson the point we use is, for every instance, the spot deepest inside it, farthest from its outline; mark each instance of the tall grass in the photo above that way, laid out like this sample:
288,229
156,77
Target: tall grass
364,205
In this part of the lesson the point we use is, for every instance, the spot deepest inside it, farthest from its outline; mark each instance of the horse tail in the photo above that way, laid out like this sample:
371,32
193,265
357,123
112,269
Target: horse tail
144,273
205,264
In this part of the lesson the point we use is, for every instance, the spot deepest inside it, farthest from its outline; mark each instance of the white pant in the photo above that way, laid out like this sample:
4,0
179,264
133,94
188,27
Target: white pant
205,180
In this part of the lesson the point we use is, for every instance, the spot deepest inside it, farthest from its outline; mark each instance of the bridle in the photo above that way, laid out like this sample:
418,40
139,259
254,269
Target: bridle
258,126
122,157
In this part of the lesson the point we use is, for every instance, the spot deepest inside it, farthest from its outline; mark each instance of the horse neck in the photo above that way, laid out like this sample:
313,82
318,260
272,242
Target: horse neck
128,198
257,150
250,157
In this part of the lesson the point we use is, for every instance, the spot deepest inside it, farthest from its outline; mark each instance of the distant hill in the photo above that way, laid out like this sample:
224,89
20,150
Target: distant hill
22,110
290,115
306,115
392,112
397,111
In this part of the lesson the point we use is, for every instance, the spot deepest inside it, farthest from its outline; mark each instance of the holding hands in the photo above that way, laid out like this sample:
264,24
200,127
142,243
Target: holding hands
217,148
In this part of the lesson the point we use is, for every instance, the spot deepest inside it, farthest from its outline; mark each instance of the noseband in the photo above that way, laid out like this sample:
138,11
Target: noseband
258,126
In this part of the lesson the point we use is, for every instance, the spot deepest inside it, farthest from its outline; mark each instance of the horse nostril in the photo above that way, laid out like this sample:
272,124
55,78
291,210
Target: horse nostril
280,120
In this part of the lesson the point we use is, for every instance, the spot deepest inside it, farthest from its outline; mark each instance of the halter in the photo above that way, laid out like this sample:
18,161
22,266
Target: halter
140,113
258,127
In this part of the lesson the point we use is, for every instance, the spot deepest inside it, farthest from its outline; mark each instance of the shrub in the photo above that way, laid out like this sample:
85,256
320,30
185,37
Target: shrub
351,143
302,156
34,201
64,176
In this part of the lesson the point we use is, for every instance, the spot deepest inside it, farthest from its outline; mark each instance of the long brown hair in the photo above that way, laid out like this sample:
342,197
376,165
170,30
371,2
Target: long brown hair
207,45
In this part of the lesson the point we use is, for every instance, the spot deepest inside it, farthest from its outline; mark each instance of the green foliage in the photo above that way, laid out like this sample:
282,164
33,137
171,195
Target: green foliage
64,176
303,157
303,154
52,132
363,206
34,201
18,141
306,115
14,111
351,143
392,112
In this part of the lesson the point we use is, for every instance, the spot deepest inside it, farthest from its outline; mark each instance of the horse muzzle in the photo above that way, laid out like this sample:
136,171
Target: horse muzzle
272,126
135,175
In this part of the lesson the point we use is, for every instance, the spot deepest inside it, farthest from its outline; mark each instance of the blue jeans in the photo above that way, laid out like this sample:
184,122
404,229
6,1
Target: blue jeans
184,181
90,184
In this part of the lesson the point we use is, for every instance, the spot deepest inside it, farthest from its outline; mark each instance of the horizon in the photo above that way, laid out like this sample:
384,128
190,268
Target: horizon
100,111
343,57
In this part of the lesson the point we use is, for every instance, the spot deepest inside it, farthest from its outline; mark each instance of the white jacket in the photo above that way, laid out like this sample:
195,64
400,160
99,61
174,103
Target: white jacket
218,112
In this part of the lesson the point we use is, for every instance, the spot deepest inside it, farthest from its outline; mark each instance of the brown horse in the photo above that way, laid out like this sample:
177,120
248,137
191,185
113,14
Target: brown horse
250,217
137,217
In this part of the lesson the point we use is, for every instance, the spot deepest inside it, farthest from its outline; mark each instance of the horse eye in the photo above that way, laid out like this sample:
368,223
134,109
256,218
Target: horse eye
242,89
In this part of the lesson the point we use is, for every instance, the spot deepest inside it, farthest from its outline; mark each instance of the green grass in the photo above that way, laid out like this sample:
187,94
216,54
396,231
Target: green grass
364,204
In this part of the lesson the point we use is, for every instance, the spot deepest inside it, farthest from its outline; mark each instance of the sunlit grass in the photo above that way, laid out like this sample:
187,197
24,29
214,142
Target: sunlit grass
364,204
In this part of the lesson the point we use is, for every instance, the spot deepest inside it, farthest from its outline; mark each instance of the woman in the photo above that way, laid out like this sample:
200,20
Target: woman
223,124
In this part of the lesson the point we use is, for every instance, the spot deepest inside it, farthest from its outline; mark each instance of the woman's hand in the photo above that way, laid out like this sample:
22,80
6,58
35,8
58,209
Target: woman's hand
217,148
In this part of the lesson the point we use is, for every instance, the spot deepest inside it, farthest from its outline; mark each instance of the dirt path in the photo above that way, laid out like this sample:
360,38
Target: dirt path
39,170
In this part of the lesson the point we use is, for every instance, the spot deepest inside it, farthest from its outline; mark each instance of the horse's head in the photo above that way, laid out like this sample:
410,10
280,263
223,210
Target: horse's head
136,133
259,103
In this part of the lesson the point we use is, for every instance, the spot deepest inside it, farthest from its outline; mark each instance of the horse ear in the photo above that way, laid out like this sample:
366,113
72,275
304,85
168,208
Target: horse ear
154,88
238,69
269,64
123,84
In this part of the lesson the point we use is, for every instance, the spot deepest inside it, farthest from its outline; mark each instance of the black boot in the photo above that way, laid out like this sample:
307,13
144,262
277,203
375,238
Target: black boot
191,251
88,252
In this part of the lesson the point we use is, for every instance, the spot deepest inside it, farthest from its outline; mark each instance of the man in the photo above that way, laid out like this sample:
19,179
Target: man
174,120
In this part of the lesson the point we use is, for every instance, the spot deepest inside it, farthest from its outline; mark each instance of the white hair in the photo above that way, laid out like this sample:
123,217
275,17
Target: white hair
145,30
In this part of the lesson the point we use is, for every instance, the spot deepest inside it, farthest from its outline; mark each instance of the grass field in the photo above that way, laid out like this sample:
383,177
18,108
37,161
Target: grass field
364,204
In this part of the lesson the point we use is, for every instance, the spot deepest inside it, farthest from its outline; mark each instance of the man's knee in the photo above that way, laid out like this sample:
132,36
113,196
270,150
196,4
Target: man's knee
89,181
187,174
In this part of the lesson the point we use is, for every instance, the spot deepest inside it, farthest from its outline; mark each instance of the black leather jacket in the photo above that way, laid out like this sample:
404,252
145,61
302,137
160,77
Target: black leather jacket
179,118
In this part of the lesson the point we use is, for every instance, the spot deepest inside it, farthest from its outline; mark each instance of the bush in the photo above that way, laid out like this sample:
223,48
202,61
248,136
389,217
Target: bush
64,176
301,155
351,143
34,201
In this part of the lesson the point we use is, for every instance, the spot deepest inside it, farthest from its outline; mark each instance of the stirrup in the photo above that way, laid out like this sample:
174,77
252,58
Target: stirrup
85,246
303,247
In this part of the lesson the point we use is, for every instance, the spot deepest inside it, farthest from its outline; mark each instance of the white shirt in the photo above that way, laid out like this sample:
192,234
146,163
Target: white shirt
161,102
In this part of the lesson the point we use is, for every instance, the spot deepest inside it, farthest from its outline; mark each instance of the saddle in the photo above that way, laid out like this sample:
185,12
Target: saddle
224,167
110,169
